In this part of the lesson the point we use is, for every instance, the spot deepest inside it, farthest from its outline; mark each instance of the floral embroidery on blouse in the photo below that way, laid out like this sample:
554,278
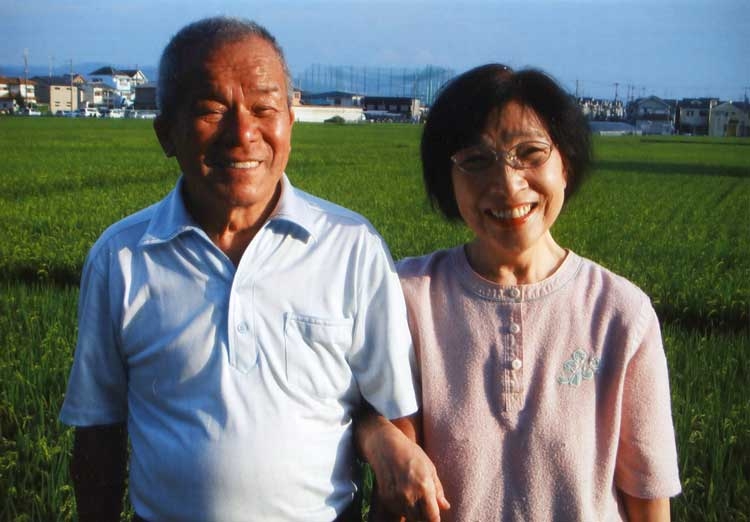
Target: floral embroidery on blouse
578,368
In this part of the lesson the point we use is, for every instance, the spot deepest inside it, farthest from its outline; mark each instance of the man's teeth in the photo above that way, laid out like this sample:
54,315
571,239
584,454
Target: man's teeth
244,164
512,213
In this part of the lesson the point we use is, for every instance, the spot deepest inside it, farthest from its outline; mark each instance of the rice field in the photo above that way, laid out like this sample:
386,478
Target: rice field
671,214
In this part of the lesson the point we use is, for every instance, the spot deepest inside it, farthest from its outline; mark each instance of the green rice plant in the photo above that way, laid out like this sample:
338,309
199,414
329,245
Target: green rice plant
709,373
671,214
37,335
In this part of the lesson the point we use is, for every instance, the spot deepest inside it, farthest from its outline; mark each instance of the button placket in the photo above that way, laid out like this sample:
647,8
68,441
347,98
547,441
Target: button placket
515,357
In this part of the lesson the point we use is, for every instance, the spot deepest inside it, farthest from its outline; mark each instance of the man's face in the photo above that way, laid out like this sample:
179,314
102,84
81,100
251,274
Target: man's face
231,132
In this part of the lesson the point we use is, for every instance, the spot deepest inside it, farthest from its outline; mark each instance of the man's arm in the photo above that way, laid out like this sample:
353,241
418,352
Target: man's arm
407,480
98,471
645,509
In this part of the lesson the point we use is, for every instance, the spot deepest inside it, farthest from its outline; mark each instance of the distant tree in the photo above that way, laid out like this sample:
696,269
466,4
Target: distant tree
337,120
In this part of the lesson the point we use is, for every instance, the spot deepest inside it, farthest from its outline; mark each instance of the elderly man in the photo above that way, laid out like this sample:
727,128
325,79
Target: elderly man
234,329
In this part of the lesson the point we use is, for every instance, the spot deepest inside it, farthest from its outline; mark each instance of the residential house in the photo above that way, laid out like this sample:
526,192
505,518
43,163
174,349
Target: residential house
730,119
58,93
4,87
100,95
653,115
145,97
124,81
692,115
19,89
392,108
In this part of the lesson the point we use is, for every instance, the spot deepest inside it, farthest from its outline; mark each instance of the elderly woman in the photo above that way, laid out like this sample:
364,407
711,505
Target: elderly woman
543,378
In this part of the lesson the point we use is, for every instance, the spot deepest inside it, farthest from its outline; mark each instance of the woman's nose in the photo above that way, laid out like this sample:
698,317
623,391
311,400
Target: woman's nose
508,178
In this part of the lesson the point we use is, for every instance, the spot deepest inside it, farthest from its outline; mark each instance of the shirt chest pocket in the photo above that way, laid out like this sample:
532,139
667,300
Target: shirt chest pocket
315,354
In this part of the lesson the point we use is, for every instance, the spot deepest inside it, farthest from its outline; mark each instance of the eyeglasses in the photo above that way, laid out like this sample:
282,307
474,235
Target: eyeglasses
480,158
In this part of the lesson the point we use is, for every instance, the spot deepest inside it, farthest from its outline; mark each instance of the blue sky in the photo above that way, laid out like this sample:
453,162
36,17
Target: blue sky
662,47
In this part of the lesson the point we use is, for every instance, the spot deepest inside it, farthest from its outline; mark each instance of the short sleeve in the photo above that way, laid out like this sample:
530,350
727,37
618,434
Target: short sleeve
97,386
382,354
647,464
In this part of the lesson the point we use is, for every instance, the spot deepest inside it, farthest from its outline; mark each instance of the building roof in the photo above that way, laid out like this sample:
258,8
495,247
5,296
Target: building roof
331,94
15,81
111,71
104,71
395,99
743,106
52,80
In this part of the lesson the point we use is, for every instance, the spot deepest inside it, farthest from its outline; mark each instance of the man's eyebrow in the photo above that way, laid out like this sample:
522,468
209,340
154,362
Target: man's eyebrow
267,89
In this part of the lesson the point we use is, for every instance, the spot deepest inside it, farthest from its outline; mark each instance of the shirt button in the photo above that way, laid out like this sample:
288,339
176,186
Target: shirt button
516,364
242,328
514,328
514,293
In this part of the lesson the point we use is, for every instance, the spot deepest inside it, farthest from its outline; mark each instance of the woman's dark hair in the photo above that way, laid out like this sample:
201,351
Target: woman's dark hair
461,112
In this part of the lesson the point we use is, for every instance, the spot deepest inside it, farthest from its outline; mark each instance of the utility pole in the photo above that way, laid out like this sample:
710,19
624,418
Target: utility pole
25,77
71,87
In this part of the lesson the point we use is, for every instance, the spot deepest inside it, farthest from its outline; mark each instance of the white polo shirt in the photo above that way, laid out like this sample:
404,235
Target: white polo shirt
239,385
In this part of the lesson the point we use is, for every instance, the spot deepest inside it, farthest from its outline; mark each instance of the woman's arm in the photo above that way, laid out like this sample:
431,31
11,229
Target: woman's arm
645,509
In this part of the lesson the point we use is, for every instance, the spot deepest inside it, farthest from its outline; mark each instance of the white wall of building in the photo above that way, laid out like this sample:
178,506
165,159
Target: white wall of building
319,114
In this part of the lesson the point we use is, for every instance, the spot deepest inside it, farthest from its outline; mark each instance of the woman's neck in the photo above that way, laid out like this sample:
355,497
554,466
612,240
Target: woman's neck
516,268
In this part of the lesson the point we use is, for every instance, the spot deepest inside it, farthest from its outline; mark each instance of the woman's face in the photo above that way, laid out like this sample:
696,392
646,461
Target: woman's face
511,210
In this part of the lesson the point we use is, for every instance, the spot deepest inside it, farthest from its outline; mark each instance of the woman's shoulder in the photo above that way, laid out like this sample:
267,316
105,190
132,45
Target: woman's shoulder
427,265
603,281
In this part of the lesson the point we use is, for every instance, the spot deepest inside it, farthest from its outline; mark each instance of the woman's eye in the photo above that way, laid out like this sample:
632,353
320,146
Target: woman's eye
478,160
530,151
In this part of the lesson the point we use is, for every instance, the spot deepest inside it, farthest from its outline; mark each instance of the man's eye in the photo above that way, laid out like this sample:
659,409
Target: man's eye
209,111
265,110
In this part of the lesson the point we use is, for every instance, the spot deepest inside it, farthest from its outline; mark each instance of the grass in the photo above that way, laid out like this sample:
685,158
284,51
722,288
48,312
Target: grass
670,214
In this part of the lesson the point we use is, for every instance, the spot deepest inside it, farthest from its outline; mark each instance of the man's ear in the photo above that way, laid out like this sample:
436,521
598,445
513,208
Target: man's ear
163,129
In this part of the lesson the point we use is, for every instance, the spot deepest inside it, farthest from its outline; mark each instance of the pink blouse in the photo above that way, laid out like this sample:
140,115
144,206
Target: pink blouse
540,401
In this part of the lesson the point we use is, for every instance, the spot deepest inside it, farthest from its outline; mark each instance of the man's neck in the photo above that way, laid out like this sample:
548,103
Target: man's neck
231,228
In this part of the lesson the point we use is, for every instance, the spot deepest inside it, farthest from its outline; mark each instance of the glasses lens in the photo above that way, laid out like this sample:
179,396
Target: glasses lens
531,153
474,159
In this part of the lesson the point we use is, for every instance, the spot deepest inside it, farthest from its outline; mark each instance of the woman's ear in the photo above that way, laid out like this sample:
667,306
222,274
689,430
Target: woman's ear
163,131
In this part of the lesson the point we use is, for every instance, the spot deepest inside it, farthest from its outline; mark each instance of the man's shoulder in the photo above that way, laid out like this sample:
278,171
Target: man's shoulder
326,213
126,232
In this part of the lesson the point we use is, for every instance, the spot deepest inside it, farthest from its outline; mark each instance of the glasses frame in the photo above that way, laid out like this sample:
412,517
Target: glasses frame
507,157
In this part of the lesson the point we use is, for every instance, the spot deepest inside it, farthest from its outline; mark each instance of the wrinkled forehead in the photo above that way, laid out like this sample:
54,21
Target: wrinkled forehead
248,60
244,54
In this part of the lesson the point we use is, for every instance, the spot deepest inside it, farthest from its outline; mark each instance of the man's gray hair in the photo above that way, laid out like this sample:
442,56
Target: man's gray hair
192,42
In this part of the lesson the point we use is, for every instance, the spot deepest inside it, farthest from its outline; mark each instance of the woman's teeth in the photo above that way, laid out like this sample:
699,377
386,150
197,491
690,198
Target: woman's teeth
512,213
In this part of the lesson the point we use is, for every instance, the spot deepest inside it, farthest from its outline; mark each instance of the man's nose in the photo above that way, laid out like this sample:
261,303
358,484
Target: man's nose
241,127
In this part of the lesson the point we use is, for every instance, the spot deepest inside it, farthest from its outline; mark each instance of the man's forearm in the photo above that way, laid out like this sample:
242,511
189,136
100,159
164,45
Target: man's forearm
98,469
407,481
